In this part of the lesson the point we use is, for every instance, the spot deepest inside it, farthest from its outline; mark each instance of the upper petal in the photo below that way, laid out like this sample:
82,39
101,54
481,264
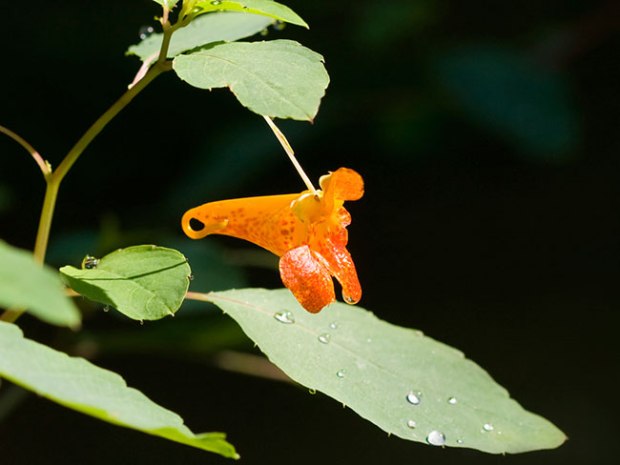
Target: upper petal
342,184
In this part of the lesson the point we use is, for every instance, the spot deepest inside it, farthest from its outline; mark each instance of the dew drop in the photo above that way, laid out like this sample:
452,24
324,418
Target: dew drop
411,424
348,299
459,441
279,25
145,31
264,32
334,325
312,391
106,308
413,398
285,317
90,262
325,338
452,400
488,427
216,2
341,373
141,322
191,277
436,438
368,340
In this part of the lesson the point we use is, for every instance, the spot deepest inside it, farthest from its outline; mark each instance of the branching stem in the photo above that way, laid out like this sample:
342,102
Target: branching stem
55,177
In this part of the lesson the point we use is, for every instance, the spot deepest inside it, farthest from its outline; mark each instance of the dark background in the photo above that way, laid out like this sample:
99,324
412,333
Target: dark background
488,137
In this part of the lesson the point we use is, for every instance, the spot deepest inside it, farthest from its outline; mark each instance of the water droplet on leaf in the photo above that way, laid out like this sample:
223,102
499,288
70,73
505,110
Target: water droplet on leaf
452,400
413,398
89,262
411,424
264,32
334,325
216,2
106,308
436,438
312,391
324,338
341,373
459,441
279,25
285,317
488,427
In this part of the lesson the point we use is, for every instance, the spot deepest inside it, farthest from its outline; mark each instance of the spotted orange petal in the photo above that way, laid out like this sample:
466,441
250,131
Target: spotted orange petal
340,265
340,185
307,278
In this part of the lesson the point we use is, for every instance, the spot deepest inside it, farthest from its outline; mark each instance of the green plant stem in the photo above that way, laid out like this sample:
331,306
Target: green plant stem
54,178
53,181
92,132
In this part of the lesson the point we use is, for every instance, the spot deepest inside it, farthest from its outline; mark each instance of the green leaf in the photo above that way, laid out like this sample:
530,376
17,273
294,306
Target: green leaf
268,8
279,78
82,386
26,285
206,29
143,282
406,383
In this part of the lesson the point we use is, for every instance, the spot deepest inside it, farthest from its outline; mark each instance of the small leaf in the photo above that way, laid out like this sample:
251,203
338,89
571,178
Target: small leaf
77,384
404,382
143,282
26,285
279,78
206,29
268,8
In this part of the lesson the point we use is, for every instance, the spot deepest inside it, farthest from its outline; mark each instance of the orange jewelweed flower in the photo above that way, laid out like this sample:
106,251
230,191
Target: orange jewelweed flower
308,232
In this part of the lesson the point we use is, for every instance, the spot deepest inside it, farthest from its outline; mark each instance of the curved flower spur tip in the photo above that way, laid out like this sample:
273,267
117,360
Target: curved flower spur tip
196,224
307,278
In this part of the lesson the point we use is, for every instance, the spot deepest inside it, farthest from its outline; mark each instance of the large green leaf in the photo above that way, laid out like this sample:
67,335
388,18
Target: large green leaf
26,285
215,27
406,383
268,8
82,386
279,78
143,282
